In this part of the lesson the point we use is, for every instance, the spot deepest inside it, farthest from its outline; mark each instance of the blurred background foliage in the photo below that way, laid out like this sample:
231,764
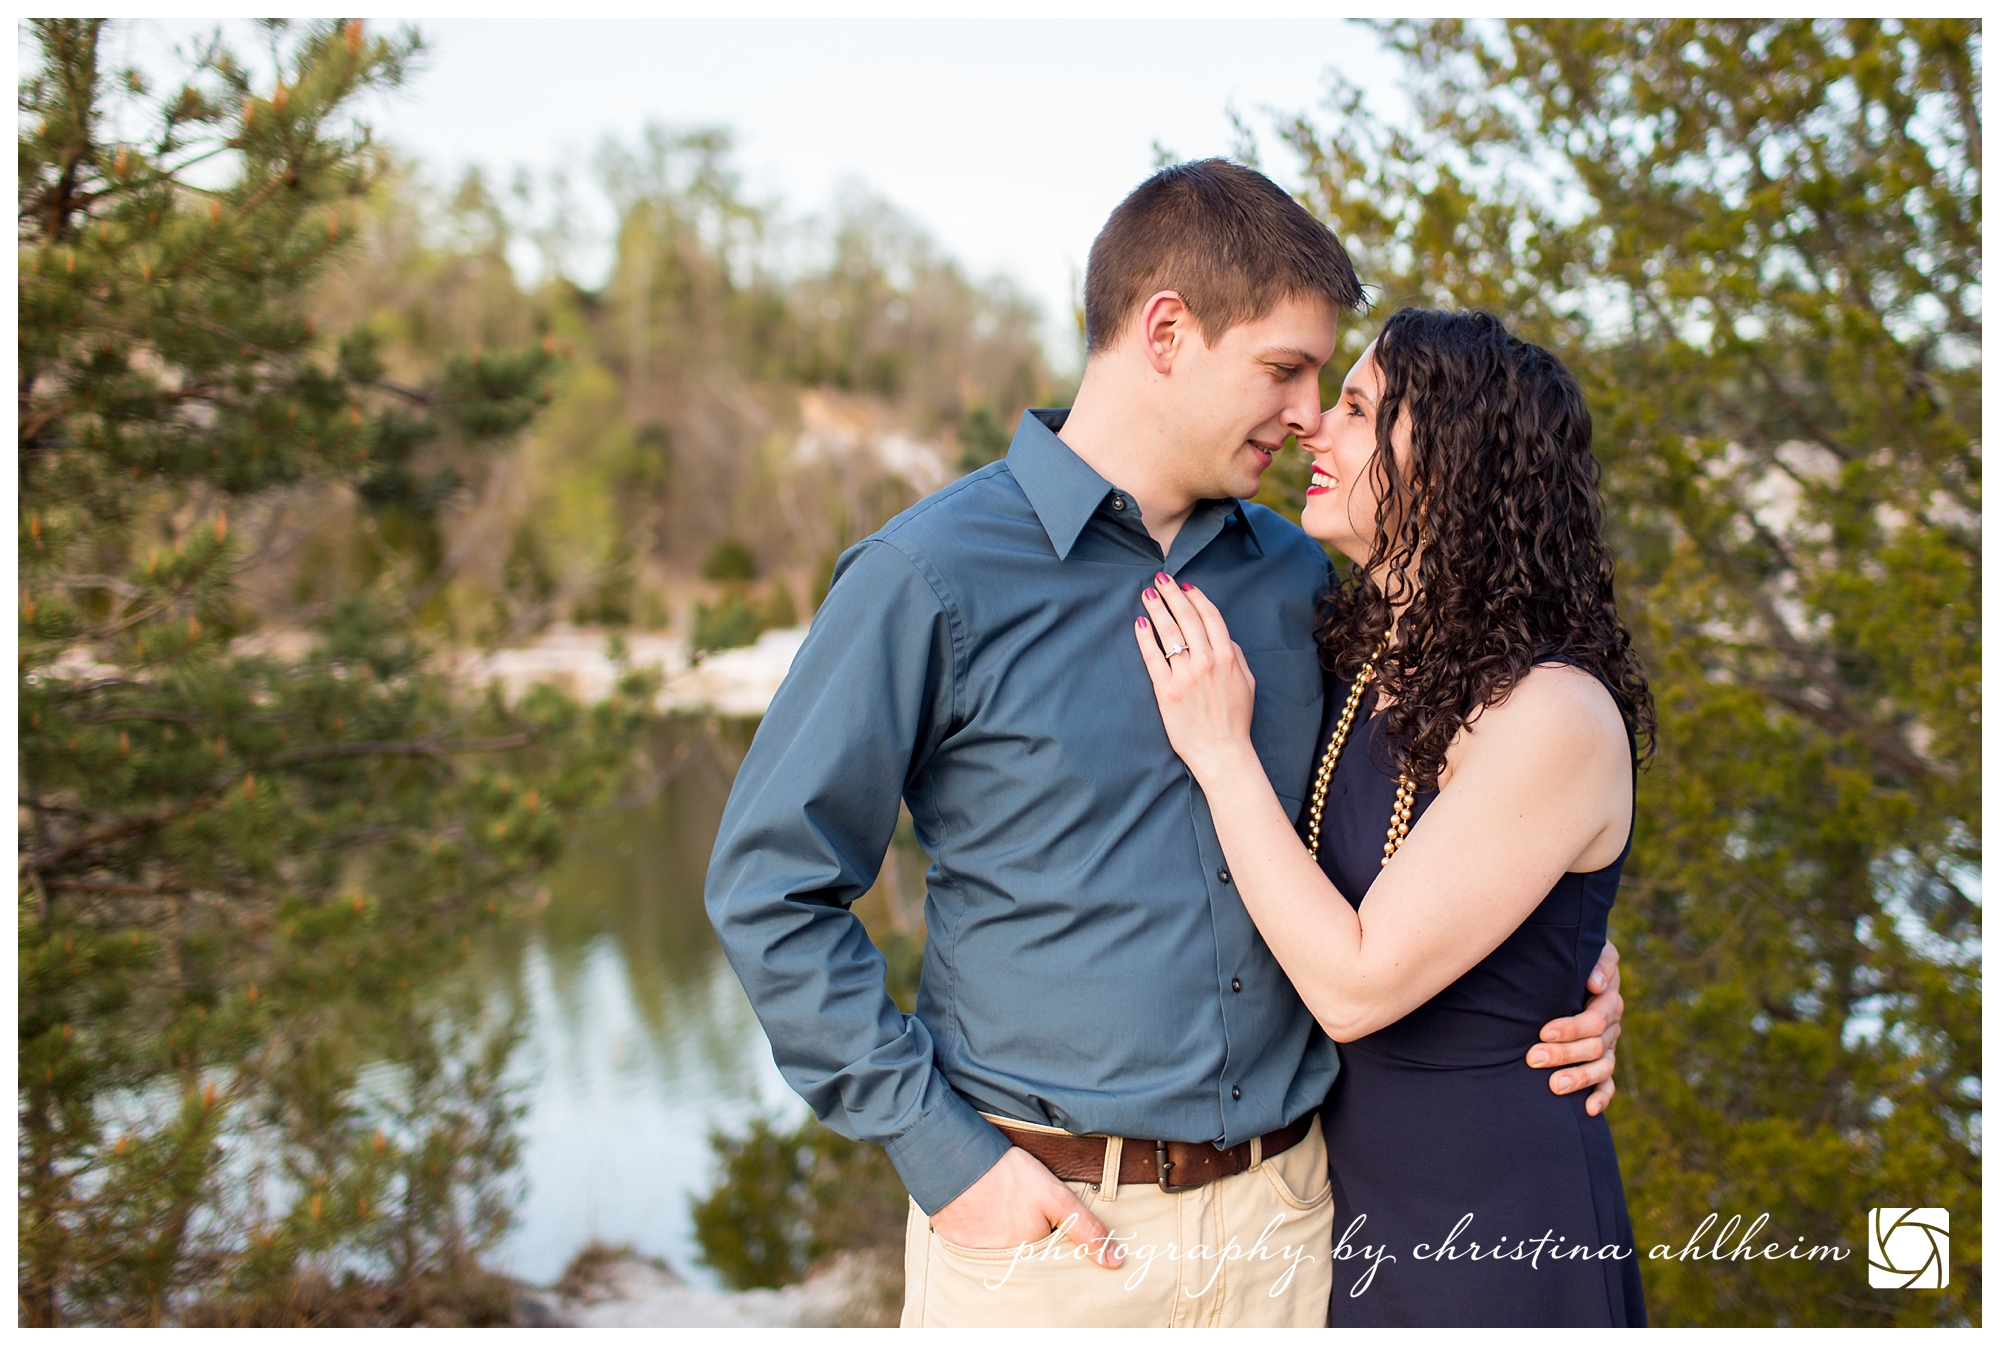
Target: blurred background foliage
256,1081
298,435
1757,243
740,386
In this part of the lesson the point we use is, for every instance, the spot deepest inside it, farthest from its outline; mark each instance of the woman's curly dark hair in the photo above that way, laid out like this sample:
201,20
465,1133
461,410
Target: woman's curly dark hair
1501,515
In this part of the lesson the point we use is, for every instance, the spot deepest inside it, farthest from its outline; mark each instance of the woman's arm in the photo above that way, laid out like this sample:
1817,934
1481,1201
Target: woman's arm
1537,784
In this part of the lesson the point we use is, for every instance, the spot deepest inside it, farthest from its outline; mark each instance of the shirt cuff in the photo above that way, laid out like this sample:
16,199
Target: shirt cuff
950,1148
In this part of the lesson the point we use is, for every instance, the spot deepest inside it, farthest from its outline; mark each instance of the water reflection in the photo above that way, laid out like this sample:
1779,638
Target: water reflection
638,1038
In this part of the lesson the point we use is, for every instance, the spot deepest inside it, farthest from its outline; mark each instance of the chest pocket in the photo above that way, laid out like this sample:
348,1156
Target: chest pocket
1290,688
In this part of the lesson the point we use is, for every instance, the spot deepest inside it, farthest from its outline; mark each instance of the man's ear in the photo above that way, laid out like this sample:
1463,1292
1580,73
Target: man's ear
1165,328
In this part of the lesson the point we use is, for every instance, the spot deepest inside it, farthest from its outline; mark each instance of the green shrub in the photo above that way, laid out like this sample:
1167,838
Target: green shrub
785,1199
729,560
777,611
725,626
982,439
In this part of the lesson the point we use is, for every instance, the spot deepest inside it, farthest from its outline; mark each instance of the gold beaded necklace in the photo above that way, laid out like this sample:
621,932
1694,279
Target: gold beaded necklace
1406,788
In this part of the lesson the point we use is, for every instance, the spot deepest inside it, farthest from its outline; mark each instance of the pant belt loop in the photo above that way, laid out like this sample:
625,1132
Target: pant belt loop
1114,1152
1256,1151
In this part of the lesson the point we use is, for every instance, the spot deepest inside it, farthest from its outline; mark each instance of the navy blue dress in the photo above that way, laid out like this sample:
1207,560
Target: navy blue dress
1438,1117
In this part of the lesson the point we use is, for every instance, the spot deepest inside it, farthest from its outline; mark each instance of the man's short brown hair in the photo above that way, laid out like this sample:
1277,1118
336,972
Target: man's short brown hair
1231,242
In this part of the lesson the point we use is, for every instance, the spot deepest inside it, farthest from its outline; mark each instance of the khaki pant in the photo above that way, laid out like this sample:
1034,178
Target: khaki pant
1252,1250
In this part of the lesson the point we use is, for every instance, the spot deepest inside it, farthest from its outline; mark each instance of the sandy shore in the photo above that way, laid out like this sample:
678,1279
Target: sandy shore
626,1290
726,682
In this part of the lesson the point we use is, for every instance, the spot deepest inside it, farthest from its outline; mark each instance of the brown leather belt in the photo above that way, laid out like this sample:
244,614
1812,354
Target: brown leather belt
1175,1165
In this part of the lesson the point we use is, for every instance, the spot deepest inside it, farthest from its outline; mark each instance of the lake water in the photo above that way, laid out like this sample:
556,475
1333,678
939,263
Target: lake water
638,1038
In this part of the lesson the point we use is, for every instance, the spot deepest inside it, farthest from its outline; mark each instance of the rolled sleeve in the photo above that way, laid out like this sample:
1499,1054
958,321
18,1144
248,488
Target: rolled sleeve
808,821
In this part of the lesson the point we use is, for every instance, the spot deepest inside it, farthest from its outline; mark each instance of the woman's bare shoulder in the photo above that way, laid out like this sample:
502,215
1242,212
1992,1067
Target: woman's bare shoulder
1556,708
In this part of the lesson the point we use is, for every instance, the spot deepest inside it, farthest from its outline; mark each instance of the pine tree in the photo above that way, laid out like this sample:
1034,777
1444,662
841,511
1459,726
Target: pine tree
245,877
1757,244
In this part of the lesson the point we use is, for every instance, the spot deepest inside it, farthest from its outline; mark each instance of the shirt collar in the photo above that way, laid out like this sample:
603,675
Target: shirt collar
1256,543
1065,491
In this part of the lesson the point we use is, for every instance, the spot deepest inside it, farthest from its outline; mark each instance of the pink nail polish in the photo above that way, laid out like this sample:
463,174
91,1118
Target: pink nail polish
1150,594
1142,622
1185,587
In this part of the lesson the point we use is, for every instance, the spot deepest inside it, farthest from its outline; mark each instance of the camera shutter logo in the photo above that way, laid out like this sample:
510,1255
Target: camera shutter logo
1909,1248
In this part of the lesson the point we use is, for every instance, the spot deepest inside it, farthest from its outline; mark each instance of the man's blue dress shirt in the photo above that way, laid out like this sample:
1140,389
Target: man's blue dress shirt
1089,965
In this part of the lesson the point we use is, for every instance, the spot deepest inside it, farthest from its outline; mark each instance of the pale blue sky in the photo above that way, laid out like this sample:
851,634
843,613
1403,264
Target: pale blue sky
1007,140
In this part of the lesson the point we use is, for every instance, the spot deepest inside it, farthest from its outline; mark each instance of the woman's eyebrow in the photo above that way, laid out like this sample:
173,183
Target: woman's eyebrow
1357,394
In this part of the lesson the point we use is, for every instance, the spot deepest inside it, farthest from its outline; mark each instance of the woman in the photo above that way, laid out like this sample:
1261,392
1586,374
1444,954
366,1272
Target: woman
1469,818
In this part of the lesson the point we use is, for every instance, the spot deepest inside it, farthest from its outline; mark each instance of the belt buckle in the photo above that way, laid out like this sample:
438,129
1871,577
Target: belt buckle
1164,1167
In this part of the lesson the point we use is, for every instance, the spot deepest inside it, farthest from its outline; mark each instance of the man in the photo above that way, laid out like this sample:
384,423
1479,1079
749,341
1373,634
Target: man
1106,1102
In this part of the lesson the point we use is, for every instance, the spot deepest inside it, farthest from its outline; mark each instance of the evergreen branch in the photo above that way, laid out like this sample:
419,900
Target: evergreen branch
1966,101
115,889
82,689
422,747
173,173
257,198
32,426
146,716
337,841
125,624
131,827
86,583
1806,420
1836,718
104,633
43,806
437,748
203,392
647,792
63,194
414,395
1835,714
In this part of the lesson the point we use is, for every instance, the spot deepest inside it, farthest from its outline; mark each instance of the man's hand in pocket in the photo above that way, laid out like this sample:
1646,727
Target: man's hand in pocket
1019,1201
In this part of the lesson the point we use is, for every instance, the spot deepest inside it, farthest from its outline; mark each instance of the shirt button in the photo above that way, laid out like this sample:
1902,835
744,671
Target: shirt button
1235,1092
1235,983
1117,502
1222,874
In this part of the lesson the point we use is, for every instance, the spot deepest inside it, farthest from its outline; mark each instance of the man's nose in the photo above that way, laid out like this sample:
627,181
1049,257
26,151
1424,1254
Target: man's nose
1303,415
